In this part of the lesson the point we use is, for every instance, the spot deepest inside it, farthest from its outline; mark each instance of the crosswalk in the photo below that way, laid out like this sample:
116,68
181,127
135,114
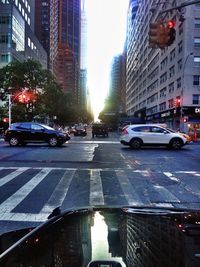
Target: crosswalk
31,193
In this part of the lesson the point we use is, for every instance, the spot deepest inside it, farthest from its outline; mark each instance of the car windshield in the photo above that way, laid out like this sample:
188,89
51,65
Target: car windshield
119,83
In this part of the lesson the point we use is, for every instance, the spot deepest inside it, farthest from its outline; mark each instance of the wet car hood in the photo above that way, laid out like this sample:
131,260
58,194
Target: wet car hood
108,237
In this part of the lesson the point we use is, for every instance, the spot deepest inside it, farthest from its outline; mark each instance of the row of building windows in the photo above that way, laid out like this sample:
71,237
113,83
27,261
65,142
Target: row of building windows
22,11
171,104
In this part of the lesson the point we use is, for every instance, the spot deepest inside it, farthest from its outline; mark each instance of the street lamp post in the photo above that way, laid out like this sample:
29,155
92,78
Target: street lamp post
182,93
10,106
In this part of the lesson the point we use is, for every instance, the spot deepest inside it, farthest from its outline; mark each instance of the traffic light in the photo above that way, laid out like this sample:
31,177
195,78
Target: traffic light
22,98
153,34
161,34
171,32
177,102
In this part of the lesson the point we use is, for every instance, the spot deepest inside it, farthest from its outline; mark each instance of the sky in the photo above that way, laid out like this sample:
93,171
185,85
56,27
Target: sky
105,39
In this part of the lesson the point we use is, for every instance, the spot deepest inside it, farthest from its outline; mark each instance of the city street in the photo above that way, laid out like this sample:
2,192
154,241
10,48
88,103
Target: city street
85,172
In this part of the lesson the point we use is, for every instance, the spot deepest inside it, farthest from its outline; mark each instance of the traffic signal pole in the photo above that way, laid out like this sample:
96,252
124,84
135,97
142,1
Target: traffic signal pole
10,106
179,7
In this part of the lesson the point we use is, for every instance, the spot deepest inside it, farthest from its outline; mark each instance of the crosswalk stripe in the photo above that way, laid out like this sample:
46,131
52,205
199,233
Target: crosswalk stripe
59,193
171,176
12,175
23,217
96,189
166,195
131,195
10,203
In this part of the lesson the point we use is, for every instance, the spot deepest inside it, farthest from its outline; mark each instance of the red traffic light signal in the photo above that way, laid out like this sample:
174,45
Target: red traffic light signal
22,98
177,102
171,32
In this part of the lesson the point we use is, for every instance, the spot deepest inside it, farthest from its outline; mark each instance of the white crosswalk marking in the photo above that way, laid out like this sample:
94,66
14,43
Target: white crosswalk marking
131,195
59,193
9,204
166,196
96,194
96,190
171,176
12,175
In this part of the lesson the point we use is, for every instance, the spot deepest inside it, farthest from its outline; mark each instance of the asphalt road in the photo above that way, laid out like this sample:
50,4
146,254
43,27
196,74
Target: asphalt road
88,172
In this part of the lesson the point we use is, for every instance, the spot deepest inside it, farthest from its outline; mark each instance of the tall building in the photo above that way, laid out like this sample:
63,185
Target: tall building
17,38
163,84
82,99
65,43
117,82
42,23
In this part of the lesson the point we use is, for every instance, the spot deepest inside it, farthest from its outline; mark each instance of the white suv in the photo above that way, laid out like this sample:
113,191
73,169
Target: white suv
150,134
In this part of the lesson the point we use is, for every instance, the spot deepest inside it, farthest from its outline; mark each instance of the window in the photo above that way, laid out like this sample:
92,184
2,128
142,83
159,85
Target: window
171,71
196,59
162,106
172,54
36,127
197,42
171,87
196,80
179,64
5,58
25,126
196,99
197,23
171,103
157,130
178,83
5,20
144,129
180,46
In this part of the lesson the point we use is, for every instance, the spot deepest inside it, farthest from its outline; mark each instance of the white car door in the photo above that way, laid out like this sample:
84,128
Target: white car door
159,135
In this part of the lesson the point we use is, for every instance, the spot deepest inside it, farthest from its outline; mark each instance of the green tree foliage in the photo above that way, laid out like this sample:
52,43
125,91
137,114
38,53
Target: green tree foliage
46,97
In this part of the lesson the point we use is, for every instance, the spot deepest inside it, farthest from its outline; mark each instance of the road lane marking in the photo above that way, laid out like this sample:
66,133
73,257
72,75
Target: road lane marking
12,175
166,194
130,194
10,203
171,176
96,189
23,217
60,192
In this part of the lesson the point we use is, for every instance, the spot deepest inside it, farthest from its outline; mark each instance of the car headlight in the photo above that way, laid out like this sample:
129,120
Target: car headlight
61,134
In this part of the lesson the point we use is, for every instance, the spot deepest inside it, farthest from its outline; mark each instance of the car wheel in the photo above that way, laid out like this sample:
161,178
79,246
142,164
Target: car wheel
136,143
53,141
176,143
14,141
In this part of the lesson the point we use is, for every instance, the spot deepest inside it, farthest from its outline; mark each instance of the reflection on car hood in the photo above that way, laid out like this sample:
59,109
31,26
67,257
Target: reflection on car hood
130,237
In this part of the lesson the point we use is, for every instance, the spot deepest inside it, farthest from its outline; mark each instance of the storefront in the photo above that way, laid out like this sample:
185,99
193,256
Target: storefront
191,117
171,118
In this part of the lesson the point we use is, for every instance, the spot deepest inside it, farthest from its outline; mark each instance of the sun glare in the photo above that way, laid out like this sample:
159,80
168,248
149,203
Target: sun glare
106,37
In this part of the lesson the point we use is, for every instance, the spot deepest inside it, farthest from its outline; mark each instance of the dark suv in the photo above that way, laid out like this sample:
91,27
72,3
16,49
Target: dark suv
99,129
28,132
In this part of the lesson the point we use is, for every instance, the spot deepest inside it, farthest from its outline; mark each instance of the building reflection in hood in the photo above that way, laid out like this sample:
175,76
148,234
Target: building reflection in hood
132,239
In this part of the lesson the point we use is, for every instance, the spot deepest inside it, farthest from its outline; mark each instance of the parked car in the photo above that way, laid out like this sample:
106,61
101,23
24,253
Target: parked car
29,132
99,129
146,134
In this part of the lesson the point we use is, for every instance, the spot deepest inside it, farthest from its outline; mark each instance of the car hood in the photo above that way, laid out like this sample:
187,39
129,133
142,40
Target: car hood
108,237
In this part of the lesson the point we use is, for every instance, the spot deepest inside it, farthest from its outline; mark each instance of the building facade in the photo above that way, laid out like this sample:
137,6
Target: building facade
42,23
117,82
65,43
17,38
163,85
82,95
